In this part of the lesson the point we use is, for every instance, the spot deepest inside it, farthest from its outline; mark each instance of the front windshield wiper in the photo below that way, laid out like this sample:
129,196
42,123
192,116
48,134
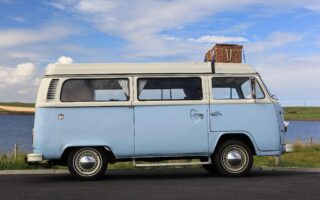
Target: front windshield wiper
274,97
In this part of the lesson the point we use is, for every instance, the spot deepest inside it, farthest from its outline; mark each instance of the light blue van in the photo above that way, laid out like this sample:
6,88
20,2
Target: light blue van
218,116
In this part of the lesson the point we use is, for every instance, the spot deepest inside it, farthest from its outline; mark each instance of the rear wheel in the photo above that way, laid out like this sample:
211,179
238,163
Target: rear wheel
87,163
233,158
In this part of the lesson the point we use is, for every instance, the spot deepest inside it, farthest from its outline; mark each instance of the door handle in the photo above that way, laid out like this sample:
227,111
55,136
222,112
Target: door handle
216,113
195,113
201,115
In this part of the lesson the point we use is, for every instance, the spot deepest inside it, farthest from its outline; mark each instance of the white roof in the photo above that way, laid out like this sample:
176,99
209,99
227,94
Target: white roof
148,68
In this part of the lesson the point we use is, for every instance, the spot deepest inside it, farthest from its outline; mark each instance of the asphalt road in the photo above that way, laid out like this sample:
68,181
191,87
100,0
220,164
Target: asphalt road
163,184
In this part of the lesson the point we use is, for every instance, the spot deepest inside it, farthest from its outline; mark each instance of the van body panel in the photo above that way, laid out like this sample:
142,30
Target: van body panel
259,120
96,126
44,133
171,130
280,115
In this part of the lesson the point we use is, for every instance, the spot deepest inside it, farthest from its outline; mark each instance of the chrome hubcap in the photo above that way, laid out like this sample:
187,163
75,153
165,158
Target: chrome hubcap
87,162
235,159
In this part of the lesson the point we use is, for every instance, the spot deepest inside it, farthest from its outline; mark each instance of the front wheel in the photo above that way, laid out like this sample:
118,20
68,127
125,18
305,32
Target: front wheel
87,163
233,158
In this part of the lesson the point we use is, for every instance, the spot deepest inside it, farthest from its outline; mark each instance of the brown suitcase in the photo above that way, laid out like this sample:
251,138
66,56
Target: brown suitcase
225,53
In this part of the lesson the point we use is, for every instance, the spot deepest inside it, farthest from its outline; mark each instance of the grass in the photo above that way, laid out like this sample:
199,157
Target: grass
302,156
30,105
8,162
302,113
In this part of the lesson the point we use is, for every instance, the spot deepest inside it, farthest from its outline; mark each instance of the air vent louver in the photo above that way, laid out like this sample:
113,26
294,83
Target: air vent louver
52,89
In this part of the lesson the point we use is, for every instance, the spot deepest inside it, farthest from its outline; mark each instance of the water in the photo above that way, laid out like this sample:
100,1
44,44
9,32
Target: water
303,131
18,129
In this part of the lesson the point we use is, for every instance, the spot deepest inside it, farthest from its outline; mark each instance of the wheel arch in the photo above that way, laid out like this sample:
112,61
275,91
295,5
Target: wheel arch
67,150
244,137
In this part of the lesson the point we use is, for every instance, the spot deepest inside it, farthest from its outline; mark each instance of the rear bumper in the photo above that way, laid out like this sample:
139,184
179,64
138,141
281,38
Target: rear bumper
34,157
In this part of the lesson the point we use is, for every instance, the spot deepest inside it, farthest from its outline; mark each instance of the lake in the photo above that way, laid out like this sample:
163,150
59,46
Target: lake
18,129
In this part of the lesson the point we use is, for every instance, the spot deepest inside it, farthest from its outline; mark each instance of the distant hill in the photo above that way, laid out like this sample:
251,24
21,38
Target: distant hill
17,104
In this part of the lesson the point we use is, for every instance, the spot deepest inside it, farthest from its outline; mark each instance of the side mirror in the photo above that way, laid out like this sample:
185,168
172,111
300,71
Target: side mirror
253,84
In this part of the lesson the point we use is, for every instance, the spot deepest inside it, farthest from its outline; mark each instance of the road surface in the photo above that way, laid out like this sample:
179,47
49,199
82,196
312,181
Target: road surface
163,184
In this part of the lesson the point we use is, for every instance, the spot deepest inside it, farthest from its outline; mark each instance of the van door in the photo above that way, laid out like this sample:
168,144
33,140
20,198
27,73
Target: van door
234,110
170,116
96,112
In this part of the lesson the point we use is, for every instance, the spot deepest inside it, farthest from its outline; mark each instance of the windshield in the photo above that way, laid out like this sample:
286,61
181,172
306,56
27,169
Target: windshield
270,93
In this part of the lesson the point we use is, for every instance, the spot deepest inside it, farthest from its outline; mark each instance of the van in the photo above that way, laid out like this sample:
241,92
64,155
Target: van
216,115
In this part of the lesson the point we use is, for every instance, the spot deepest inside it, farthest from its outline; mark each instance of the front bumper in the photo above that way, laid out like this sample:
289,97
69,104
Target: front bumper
34,157
287,148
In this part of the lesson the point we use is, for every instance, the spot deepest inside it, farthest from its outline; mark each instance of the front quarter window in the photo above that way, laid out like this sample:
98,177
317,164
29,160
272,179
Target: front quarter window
234,88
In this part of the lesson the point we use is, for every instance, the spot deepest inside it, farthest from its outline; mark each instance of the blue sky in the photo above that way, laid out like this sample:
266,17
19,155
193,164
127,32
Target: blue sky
281,38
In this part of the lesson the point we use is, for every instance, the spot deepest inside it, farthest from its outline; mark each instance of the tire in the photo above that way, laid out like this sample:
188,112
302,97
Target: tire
233,158
87,163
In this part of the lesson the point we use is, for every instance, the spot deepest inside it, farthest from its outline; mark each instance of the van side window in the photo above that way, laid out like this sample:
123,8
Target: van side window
234,88
91,90
169,89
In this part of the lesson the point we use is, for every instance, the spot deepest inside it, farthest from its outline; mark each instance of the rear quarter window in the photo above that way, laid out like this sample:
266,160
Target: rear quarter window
95,90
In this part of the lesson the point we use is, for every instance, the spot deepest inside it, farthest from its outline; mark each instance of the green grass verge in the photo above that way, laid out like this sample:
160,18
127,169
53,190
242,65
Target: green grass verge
302,113
302,156
17,104
8,162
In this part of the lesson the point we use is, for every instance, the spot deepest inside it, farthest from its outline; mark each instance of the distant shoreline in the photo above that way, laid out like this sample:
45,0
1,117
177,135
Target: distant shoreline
304,120
16,110
15,113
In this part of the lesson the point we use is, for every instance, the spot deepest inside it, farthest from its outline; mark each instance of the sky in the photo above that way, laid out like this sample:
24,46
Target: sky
281,38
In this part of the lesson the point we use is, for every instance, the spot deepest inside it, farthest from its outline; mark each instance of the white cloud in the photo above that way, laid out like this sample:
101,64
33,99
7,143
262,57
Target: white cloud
18,75
314,6
17,37
60,60
23,54
19,19
218,39
57,5
291,79
236,29
96,6
65,60
20,83
274,40
142,22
